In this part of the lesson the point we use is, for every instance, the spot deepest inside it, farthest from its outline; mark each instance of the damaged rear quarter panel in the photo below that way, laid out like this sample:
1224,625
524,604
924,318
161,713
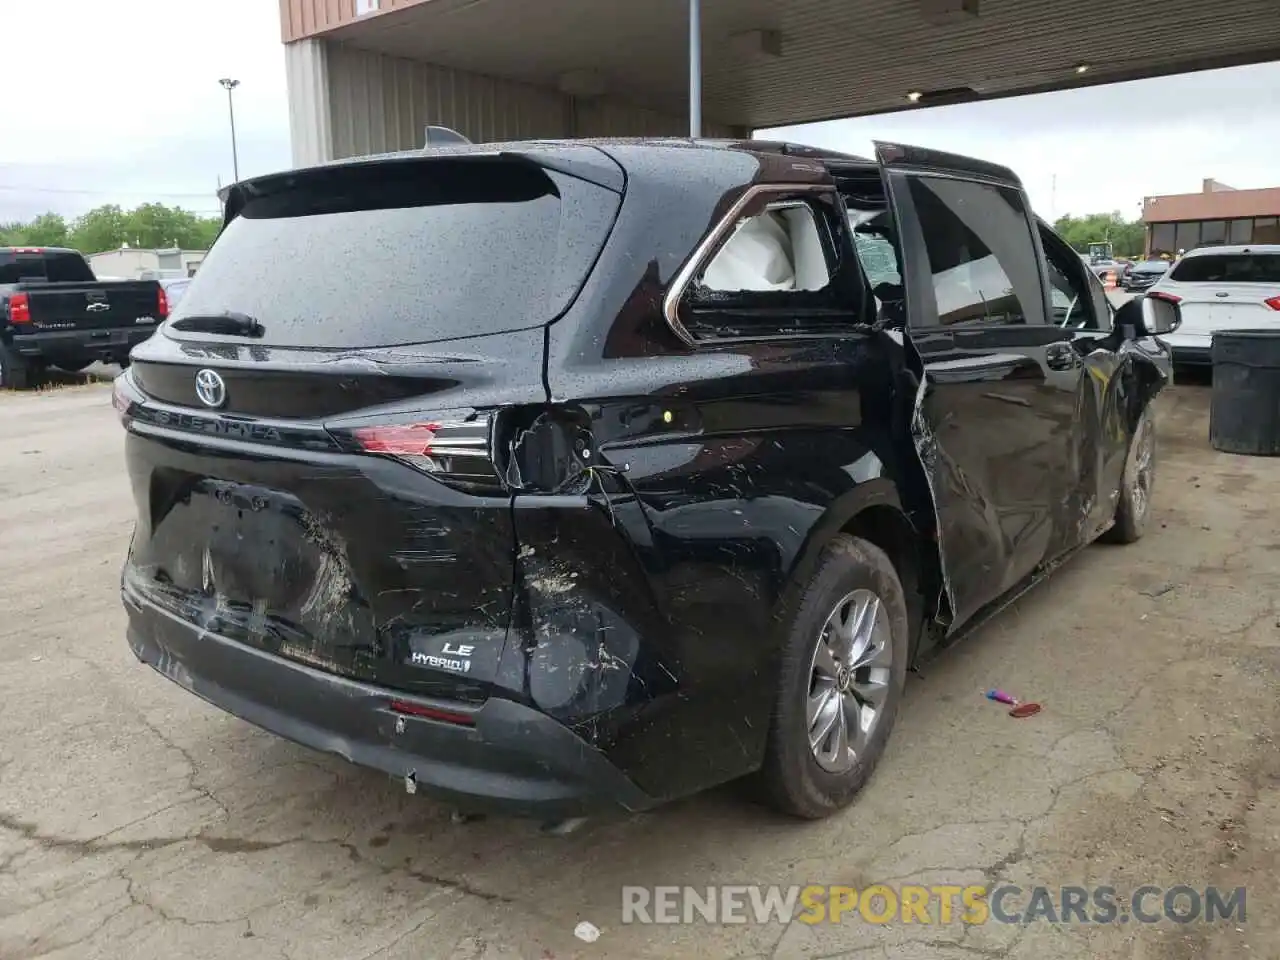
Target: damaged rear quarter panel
725,470
730,471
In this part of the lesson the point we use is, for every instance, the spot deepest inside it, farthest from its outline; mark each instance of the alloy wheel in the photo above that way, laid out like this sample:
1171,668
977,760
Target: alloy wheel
1142,473
849,680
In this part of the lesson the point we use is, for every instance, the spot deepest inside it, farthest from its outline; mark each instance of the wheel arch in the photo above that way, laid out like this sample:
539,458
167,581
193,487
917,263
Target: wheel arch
873,511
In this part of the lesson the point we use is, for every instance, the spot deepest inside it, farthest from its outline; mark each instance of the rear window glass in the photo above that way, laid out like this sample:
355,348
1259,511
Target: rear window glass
403,252
1155,266
50,267
1228,268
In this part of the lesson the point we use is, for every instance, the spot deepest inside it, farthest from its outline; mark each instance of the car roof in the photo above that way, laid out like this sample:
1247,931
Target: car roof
1269,248
37,248
761,147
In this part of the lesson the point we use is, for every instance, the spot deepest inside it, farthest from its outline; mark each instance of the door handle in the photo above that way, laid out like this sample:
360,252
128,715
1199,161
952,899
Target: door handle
1061,356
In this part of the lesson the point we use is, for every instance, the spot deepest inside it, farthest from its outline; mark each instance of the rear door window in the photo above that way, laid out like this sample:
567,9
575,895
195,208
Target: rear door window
406,252
51,266
981,252
1228,268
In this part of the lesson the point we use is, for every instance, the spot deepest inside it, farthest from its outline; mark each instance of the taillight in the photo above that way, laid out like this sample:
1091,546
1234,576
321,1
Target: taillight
125,396
1161,295
1273,303
458,452
19,308
162,304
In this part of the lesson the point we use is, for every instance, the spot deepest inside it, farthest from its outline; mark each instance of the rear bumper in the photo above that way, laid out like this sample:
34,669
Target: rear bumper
89,344
1193,356
1191,349
514,759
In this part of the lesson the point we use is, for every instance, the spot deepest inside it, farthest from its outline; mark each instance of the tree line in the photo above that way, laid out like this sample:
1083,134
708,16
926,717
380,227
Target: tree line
1128,237
110,227
153,225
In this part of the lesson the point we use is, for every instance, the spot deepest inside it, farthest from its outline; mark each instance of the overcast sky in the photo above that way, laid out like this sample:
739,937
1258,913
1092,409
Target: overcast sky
120,103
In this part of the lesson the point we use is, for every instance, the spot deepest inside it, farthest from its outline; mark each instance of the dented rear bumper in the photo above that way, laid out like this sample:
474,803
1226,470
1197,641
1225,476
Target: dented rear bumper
508,758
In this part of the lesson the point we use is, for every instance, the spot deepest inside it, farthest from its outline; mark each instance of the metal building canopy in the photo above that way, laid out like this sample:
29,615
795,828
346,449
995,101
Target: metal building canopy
775,62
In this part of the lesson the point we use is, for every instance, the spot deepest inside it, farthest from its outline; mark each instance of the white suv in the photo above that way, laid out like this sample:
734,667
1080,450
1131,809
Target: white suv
1221,288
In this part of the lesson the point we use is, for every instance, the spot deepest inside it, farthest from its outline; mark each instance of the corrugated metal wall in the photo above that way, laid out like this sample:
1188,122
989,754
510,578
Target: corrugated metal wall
382,103
349,102
306,66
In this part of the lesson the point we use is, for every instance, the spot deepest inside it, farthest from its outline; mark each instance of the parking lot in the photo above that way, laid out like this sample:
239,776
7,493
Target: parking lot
135,821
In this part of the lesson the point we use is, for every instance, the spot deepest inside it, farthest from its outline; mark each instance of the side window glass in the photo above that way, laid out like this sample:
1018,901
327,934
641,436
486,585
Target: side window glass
878,258
778,250
981,253
1069,296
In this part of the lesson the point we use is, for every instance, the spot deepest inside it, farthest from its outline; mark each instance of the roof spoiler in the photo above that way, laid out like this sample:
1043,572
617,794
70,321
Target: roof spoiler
433,135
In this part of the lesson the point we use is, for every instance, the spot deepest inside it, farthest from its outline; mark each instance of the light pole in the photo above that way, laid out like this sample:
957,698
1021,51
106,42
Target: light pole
695,68
230,85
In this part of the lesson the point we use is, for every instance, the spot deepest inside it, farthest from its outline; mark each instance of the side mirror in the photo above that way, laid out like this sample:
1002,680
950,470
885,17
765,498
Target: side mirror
1152,315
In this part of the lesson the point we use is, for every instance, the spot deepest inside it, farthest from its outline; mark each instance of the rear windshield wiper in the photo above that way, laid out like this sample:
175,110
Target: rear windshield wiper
231,324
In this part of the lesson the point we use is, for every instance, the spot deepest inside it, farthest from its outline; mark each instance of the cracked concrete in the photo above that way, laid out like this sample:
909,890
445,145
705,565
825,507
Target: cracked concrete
138,822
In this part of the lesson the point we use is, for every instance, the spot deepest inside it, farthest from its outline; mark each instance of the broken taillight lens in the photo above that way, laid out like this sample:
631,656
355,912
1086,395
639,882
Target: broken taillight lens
457,452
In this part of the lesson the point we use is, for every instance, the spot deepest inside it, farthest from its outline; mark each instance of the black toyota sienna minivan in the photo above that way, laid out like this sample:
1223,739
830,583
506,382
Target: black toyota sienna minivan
555,475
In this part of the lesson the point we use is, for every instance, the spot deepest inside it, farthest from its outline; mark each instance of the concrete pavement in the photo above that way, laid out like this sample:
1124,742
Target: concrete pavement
138,822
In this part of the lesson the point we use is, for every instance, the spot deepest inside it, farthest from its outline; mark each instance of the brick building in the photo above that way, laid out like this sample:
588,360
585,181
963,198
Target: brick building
1216,215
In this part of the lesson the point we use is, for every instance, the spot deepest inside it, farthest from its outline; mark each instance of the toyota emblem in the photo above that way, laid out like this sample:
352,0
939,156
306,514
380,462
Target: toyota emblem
210,388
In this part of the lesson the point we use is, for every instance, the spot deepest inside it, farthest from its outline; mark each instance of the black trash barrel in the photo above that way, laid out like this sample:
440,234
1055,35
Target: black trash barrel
1244,415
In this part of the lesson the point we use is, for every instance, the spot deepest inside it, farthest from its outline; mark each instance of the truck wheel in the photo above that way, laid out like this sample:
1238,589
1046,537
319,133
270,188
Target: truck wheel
15,373
1133,508
844,665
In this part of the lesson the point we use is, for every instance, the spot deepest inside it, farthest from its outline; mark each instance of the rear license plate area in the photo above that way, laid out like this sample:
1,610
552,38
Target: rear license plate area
254,565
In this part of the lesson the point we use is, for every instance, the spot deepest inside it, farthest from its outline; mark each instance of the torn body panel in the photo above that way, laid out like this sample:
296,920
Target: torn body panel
722,478
358,566
1115,379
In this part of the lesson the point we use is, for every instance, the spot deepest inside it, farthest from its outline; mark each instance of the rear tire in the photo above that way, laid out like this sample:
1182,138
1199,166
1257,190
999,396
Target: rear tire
844,663
15,372
1133,508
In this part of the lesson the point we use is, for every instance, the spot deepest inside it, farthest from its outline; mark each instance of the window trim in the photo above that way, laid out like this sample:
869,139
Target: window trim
720,234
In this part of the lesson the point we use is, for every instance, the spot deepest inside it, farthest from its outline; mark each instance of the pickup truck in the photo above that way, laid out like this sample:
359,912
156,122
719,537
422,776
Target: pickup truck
54,312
